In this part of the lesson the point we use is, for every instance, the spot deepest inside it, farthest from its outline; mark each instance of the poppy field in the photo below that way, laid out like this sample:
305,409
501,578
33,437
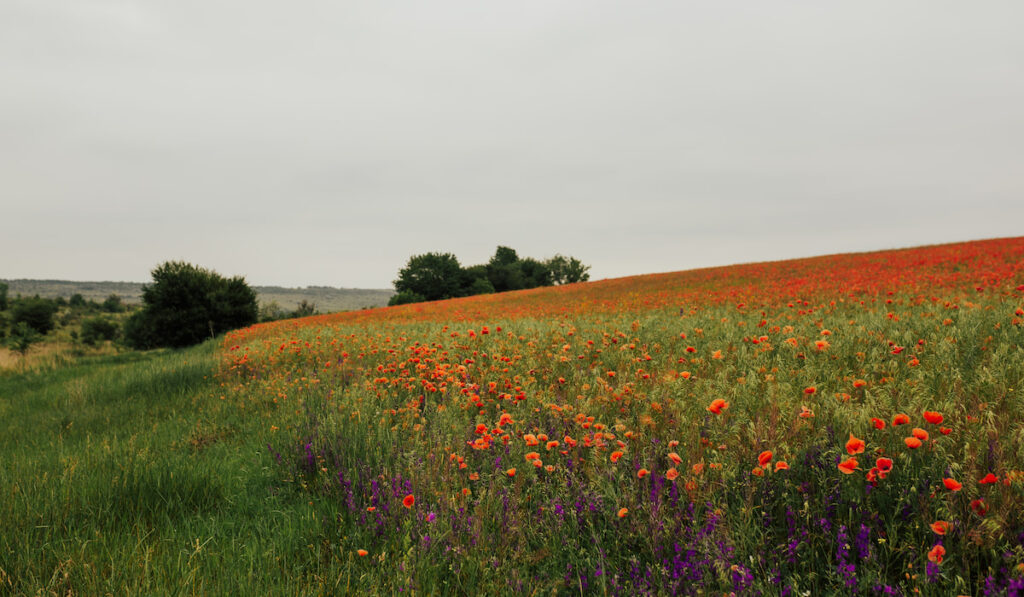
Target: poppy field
847,424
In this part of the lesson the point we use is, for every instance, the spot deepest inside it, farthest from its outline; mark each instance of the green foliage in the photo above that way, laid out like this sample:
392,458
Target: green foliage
433,276
405,297
77,300
3,296
35,312
567,270
22,337
113,304
187,304
436,276
98,329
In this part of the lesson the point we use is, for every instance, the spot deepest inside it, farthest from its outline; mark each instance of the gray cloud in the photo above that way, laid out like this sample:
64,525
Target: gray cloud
325,144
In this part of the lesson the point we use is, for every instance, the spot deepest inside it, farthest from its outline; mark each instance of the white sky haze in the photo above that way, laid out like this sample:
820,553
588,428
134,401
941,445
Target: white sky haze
323,143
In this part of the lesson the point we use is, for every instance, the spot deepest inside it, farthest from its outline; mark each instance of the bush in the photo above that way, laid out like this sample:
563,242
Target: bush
405,297
3,296
98,329
37,313
187,304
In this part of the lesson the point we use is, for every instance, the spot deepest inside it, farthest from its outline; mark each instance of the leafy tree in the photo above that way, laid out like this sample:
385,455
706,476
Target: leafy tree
98,329
77,300
113,304
22,337
567,270
535,273
35,312
187,304
433,276
3,296
503,270
475,281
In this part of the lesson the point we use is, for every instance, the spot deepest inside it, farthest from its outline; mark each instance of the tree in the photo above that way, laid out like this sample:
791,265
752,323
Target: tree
3,296
504,271
113,304
98,329
187,304
37,313
567,270
433,276
22,338
535,273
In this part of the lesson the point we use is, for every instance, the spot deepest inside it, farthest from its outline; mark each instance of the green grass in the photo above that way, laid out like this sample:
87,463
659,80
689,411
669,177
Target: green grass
127,475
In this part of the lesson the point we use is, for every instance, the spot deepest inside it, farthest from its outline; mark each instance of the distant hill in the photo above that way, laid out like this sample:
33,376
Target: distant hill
326,298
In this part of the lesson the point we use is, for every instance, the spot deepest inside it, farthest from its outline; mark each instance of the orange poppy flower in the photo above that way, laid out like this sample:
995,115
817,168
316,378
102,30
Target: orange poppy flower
616,455
848,466
806,413
764,457
952,484
884,465
941,527
511,472
371,508
919,433
900,419
674,457
912,442
933,417
552,444
361,552
757,471
854,445
532,456
642,473
474,476
717,406
671,474
936,554
409,500
859,383
781,465
623,512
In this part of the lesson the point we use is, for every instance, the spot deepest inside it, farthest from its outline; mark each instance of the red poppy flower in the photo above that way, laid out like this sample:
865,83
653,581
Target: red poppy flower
952,484
933,417
671,474
936,554
919,433
642,473
900,419
623,512
717,406
912,442
409,500
764,457
878,423
848,466
854,445
810,390
362,552
781,465
884,465
979,507
988,479
941,527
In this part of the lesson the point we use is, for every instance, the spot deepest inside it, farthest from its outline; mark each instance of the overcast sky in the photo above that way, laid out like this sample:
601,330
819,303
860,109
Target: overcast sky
323,143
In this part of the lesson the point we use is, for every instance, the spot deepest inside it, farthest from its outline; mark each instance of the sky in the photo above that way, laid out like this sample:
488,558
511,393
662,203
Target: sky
324,143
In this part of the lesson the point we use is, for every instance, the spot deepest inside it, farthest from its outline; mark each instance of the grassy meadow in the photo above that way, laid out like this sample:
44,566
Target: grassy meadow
828,426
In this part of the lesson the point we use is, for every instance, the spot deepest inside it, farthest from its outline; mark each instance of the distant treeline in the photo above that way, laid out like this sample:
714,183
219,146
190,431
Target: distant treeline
436,276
